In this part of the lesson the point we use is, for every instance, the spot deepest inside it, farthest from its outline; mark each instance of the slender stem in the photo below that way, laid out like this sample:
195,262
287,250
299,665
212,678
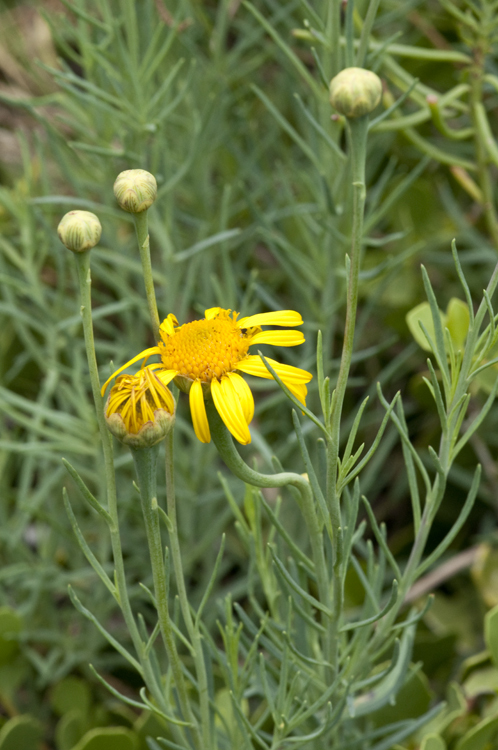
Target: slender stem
224,444
193,631
85,284
483,166
358,138
142,229
357,130
333,34
146,465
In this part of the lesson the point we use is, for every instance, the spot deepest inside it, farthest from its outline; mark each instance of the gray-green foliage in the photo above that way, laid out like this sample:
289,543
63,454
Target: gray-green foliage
226,105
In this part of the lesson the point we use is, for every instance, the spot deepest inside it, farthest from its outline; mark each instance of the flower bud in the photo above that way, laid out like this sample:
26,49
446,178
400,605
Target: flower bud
355,92
79,231
135,190
140,409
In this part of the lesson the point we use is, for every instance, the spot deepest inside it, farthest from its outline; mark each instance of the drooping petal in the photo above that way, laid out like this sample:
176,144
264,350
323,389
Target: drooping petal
198,411
245,395
278,338
277,318
300,391
143,355
158,390
211,313
254,365
229,408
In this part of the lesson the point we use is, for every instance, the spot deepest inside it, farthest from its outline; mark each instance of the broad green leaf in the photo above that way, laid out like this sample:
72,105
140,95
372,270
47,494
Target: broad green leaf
485,574
422,314
108,738
481,682
69,694
10,626
70,730
479,737
457,321
433,742
491,633
19,733
412,700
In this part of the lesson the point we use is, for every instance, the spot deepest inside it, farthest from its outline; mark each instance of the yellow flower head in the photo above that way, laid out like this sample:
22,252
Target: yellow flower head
205,357
140,409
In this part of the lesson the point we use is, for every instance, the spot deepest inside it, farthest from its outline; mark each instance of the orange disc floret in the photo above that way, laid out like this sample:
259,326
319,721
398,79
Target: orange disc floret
205,349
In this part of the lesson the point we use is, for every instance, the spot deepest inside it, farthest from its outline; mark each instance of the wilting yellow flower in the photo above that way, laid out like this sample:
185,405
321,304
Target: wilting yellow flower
140,409
205,357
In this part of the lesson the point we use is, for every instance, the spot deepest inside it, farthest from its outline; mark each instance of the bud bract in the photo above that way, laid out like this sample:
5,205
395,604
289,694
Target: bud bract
79,231
355,92
135,190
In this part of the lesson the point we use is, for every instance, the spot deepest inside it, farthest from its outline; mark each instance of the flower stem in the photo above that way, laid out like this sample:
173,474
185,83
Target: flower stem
357,131
142,229
193,630
482,157
146,466
85,282
224,444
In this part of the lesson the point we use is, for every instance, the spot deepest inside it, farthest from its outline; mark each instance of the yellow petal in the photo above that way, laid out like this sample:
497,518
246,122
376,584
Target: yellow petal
158,388
166,376
254,365
143,355
244,393
198,411
168,325
211,313
170,401
146,409
152,386
300,391
277,318
230,409
278,338
116,400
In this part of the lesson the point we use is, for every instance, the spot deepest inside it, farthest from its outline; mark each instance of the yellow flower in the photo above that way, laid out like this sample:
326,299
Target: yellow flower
205,357
140,409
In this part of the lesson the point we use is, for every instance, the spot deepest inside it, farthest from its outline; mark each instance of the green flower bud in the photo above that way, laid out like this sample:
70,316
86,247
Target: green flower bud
79,231
355,92
135,190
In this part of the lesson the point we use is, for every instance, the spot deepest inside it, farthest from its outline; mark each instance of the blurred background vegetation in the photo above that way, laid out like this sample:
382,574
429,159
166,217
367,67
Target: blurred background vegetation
224,102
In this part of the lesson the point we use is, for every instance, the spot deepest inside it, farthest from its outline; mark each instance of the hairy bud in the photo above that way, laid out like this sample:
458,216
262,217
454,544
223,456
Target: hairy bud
135,190
355,92
79,231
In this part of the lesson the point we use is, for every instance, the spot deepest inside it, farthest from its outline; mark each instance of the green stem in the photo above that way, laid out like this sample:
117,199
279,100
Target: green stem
224,444
357,130
193,631
482,158
142,229
85,283
333,34
146,466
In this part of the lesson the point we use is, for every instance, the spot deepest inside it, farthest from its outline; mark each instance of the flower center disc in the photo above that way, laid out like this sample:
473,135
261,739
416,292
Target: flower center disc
205,349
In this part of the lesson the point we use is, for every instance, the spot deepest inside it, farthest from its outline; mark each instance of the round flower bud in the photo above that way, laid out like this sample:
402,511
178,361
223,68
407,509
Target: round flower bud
355,92
140,409
135,190
79,231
